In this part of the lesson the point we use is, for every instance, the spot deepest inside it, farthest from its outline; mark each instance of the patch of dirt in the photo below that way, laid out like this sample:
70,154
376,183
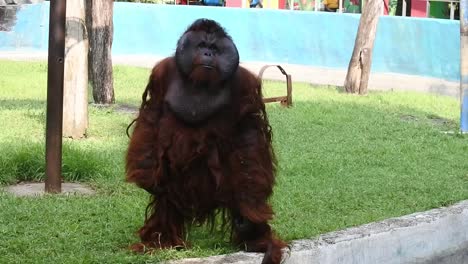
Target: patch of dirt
37,189
410,118
437,120
432,119
126,109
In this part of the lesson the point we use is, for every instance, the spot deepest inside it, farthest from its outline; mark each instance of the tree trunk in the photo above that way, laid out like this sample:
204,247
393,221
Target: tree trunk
75,98
99,15
361,60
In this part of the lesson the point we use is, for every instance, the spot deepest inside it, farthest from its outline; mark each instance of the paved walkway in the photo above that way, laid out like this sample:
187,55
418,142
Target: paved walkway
299,73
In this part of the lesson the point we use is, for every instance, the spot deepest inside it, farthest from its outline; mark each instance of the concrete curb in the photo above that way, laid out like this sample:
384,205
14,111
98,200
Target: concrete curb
435,236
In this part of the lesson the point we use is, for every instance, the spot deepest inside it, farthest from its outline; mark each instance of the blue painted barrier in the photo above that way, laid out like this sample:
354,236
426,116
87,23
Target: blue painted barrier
30,31
425,47
464,112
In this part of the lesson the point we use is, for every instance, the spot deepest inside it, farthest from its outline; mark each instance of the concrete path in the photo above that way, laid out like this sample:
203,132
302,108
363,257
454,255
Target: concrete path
299,73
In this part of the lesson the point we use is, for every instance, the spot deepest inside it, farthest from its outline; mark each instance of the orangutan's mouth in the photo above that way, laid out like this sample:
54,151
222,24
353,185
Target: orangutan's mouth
206,66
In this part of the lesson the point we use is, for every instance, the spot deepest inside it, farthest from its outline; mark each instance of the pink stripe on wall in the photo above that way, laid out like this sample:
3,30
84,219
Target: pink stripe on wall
234,3
418,8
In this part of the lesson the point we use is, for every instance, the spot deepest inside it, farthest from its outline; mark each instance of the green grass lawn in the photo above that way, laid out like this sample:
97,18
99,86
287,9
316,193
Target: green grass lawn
344,160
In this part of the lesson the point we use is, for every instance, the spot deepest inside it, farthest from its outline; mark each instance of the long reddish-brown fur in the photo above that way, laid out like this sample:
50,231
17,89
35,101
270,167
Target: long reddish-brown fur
194,171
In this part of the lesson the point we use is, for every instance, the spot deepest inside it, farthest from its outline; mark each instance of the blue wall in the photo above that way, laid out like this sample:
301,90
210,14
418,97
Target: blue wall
427,47
30,31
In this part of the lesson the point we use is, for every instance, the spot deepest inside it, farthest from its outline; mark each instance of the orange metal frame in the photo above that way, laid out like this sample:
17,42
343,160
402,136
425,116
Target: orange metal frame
284,100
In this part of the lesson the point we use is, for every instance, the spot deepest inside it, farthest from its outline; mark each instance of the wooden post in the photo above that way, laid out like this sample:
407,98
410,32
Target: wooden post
359,67
75,108
464,66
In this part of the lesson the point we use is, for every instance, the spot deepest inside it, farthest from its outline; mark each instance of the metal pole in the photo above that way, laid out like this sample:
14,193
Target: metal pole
452,11
55,71
428,8
403,11
340,6
464,66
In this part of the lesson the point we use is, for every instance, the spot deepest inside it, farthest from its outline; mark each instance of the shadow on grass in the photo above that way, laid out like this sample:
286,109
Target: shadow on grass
38,116
22,104
25,161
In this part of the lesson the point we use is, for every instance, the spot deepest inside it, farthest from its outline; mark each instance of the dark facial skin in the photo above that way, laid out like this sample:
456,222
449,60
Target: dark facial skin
211,49
206,59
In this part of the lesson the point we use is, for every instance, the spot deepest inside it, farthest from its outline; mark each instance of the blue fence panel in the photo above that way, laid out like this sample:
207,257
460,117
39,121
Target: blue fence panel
415,46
